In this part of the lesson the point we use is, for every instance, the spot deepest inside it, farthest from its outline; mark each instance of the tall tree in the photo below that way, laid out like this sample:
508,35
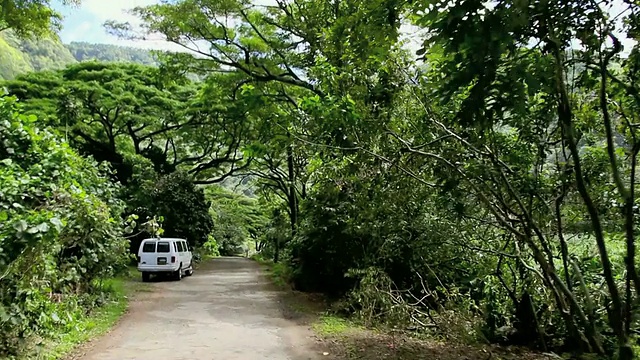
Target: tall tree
502,84
111,110
31,17
282,53
516,142
279,159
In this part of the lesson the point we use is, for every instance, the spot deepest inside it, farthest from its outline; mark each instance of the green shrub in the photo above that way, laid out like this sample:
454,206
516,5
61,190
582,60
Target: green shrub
60,231
211,247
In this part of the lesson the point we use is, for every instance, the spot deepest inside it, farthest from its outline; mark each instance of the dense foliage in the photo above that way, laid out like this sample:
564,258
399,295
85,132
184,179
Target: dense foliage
60,231
238,220
39,54
486,180
12,61
182,206
496,176
83,51
110,110
63,216
157,133
30,18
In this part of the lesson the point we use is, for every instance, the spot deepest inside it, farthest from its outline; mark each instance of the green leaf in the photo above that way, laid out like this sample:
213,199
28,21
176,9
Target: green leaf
43,227
21,226
56,223
33,230
4,316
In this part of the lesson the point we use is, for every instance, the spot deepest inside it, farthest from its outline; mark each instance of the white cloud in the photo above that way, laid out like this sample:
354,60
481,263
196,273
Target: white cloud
101,11
114,9
79,32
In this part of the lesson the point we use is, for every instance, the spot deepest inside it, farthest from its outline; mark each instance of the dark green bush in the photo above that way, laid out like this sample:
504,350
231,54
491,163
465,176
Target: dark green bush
60,231
176,199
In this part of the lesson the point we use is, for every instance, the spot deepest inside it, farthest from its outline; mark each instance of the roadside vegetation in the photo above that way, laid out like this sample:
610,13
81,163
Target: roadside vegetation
344,336
99,321
474,185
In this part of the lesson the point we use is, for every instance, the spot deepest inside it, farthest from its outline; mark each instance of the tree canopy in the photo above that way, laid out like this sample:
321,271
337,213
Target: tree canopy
491,172
109,110
507,146
31,17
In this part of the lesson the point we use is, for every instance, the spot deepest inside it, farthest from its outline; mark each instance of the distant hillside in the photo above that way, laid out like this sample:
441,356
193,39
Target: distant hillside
82,51
20,56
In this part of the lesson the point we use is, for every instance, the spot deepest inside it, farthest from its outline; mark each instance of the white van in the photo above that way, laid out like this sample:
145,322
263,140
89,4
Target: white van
165,255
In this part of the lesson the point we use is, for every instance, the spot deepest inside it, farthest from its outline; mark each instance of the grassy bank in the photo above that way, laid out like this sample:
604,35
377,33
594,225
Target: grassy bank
99,321
279,273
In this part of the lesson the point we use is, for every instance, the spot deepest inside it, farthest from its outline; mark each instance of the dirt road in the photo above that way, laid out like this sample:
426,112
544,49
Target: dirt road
226,311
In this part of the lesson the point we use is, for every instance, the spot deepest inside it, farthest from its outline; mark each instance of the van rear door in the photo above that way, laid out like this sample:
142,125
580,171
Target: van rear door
163,253
147,252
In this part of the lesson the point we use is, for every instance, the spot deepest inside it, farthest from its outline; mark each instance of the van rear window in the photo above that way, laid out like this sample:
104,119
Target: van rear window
149,247
163,247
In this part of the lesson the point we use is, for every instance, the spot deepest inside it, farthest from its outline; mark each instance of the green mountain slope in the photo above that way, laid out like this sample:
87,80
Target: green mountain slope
18,56
46,54
12,61
82,51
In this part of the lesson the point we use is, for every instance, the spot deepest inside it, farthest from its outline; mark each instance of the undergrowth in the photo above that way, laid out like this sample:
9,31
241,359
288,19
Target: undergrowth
99,320
280,273
61,234
374,322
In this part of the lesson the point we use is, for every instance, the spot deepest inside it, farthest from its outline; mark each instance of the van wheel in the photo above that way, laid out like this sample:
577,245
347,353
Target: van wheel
178,274
146,277
189,272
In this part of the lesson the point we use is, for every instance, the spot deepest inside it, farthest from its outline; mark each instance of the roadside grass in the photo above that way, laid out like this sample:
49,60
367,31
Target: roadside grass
332,325
347,339
279,273
99,321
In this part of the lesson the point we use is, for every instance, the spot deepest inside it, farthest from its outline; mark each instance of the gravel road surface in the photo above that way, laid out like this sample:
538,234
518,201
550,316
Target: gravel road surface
227,310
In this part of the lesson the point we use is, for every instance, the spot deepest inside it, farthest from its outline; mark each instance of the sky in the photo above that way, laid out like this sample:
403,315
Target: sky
85,23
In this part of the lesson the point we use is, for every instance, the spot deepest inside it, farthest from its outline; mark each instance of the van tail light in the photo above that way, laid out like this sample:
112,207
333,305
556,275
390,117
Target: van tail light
139,258
173,259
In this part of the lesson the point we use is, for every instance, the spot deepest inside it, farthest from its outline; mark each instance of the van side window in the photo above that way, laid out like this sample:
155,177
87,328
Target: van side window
149,247
163,247
186,247
175,247
182,247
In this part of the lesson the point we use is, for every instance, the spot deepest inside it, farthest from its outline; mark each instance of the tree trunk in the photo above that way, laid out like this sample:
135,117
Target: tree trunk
293,196
276,253
565,117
